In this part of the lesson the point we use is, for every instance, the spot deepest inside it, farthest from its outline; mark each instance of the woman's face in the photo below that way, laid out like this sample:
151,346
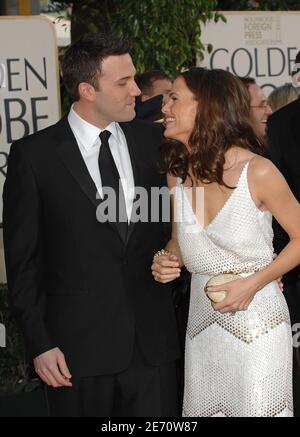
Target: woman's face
180,112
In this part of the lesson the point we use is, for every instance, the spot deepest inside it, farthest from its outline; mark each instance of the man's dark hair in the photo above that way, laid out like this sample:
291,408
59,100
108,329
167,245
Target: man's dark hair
83,59
297,59
247,80
145,80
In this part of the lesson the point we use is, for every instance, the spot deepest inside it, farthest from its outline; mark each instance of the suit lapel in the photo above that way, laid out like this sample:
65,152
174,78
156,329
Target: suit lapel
132,148
68,150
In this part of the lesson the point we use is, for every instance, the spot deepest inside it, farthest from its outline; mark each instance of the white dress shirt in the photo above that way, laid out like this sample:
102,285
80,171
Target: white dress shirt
87,137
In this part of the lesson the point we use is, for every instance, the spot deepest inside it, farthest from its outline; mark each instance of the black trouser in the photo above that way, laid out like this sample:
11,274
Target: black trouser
139,391
292,295
181,297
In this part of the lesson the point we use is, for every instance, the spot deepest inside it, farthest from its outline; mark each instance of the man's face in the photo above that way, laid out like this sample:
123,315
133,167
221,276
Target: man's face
159,86
117,90
260,110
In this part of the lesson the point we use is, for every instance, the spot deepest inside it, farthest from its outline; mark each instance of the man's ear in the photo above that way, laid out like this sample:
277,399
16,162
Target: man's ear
86,91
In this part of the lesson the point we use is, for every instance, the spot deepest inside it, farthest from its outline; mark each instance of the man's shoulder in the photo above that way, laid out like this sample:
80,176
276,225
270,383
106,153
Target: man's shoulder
40,138
149,127
147,137
285,112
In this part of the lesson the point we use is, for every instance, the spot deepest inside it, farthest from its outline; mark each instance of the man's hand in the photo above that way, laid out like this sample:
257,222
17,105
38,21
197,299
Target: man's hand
280,283
52,368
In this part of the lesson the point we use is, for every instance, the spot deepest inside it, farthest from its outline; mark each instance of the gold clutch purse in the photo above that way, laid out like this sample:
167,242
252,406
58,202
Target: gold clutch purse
218,296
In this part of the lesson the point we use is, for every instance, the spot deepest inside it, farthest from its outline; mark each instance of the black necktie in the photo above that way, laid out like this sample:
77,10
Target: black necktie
110,178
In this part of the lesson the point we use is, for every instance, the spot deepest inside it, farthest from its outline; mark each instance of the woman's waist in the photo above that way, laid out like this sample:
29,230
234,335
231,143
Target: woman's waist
271,289
241,270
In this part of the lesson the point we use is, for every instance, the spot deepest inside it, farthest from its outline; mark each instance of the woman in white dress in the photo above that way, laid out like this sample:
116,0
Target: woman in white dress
238,358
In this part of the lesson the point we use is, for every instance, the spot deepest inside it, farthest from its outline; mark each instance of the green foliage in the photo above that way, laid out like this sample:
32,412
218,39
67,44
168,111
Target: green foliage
165,34
14,368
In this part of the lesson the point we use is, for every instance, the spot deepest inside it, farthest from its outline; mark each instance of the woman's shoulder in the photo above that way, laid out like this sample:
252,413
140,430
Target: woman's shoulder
261,169
264,179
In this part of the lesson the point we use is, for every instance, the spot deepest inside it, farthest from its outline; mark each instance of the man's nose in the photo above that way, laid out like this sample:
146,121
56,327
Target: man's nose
135,90
269,110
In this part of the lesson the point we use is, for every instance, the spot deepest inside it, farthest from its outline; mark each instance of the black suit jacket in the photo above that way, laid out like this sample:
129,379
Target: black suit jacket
73,282
284,151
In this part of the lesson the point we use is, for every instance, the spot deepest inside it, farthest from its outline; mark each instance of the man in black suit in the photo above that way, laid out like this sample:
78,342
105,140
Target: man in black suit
101,331
155,86
284,150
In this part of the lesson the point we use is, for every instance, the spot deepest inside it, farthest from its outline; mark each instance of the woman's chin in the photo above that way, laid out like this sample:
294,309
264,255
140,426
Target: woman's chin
168,134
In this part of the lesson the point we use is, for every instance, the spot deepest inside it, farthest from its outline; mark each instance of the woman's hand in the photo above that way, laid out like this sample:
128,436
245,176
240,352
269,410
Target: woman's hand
239,294
165,268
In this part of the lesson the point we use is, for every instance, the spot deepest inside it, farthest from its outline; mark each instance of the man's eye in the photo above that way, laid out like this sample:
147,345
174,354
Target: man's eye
122,84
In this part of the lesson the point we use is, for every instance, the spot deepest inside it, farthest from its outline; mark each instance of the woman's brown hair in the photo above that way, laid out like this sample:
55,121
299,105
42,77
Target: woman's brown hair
222,120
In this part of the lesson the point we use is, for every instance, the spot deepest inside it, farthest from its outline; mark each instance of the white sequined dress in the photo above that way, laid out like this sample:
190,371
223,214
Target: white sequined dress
235,365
